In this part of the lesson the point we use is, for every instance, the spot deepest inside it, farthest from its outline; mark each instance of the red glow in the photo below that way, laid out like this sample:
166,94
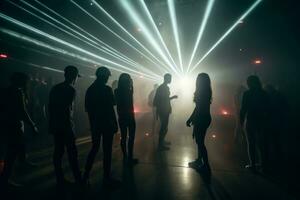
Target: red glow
136,110
257,61
224,112
3,56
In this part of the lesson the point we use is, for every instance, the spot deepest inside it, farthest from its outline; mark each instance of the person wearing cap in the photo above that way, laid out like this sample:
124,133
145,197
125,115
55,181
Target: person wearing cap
99,104
61,125
13,116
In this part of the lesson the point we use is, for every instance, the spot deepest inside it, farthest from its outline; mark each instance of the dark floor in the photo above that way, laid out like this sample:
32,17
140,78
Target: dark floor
161,175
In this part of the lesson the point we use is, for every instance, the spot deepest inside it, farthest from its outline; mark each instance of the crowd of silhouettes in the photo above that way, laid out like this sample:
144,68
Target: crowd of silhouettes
262,111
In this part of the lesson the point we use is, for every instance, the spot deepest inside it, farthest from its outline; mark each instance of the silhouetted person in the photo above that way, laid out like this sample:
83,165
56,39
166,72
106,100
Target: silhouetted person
254,110
61,125
238,131
162,102
201,119
15,115
125,109
99,104
150,103
277,123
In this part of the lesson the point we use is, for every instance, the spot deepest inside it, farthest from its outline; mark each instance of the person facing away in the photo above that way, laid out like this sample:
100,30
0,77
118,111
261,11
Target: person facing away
201,119
125,109
162,102
99,104
277,124
150,103
14,116
61,125
238,131
254,111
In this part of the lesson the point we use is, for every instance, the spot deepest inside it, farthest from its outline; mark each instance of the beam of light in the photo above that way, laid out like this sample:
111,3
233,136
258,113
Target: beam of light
103,44
207,12
137,19
69,45
125,30
256,3
172,11
89,43
115,34
156,29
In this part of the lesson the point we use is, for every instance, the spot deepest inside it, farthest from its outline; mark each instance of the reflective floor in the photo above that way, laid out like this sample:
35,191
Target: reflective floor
160,175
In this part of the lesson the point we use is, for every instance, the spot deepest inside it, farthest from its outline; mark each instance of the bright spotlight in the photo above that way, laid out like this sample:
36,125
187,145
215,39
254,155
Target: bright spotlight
256,3
201,30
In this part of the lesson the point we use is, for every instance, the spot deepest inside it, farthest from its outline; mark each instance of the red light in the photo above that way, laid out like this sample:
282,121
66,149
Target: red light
136,110
257,61
3,56
224,112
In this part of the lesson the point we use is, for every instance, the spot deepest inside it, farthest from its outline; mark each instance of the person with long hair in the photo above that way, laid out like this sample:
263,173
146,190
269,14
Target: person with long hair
201,119
125,110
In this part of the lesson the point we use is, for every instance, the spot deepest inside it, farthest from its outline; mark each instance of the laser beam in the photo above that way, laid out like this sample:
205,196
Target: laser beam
124,29
114,33
144,6
67,32
207,12
137,19
67,44
172,11
250,9
102,44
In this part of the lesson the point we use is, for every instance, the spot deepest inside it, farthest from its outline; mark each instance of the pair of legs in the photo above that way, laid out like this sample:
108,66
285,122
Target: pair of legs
199,132
256,143
107,137
127,127
15,149
164,122
66,141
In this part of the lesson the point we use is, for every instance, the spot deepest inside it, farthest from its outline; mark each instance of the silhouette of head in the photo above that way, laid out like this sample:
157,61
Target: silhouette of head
102,74
19,80
203,86
167,78
71,74
253,82
125,82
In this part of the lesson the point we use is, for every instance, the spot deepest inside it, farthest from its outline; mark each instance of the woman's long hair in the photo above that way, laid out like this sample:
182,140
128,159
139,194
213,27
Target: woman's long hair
203,88
125,85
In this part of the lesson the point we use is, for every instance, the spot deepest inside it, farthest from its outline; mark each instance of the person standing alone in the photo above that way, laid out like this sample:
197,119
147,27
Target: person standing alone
162,102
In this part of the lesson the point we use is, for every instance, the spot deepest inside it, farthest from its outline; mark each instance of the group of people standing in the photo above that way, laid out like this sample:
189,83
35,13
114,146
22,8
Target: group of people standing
100,100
